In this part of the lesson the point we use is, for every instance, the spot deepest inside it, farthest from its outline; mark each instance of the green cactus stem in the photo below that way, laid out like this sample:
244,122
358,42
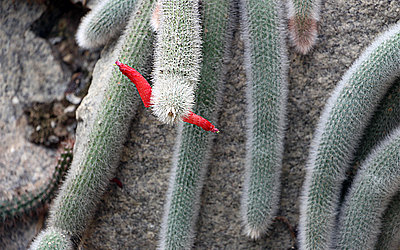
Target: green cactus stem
104,22
303,18
52,239
92,168
390,233
375,184
177,59
266,72
27,204
346,114
193,144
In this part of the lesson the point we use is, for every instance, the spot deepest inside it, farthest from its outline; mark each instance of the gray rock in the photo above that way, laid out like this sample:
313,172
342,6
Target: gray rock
28,73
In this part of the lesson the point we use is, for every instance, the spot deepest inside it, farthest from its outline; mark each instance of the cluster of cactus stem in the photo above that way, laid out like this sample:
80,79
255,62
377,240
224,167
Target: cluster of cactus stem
34,202
342,123
190,49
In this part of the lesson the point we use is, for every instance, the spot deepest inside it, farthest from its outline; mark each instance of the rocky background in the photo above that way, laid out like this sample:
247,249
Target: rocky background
43,72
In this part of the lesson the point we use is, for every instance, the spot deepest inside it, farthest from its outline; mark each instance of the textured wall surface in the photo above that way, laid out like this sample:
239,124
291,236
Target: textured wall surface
130,217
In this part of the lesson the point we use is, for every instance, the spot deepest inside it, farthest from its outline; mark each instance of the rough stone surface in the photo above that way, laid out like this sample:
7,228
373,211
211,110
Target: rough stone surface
28,73
129,218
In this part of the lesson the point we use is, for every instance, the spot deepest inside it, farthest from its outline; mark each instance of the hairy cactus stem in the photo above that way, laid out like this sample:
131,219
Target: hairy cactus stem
303,18
95,164
104,22
193,145
342,123
266,72
375,184
177,59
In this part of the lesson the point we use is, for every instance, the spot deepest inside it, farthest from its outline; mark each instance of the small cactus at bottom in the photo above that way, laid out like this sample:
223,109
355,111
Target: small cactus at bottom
303,18
52,239
266,71
373,187
104,22
342,122
93,167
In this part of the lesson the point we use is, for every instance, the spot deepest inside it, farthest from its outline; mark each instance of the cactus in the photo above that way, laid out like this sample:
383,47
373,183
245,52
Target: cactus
90,172
193,144
27,204
52,239
104,22
376,183
390,235
266,72
303,18
177,59
346,115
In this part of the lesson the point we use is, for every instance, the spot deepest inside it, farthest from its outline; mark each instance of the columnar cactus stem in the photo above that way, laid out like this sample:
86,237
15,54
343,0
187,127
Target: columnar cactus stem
33,202
177,59
303,18
91,171
193,144
104,22
346,114
375,184
390,233
266,72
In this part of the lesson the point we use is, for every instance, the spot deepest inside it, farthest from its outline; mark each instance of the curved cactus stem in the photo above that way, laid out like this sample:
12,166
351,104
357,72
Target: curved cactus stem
92,168
303,18
18,207
375,184
266,71
104,22
343,120
51,239
193,144
390,233
177,59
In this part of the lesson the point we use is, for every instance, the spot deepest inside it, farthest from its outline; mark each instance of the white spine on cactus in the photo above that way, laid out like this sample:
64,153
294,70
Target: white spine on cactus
375,184
104,22
52,238
266,73
390,233
342,122
177,59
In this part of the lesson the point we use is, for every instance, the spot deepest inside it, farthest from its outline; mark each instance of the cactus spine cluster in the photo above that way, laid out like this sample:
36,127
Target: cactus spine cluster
193,144
266,73
376,183
177,59
104,22
31,203
303,18
346,115
90,172
52,239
